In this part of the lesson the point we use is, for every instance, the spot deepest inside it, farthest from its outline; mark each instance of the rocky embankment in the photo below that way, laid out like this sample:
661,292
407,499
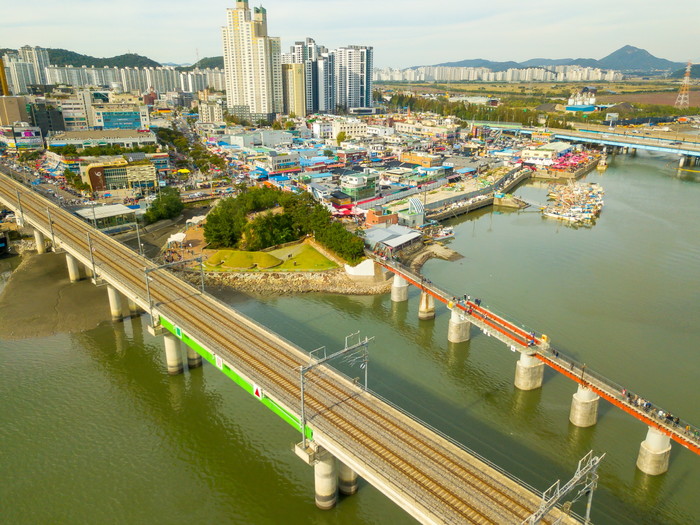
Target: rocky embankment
279,283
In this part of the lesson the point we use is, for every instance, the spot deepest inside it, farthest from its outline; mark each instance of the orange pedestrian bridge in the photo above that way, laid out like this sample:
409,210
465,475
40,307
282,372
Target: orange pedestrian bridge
536,352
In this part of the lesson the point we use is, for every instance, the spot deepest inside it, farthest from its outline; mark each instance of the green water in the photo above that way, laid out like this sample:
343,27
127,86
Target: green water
92,430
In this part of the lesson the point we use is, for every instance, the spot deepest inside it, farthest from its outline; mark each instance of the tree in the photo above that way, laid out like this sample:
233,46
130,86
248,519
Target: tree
327,153
340,138
167,205
276,125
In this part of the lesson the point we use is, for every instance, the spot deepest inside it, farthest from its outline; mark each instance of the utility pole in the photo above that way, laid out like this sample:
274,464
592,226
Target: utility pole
361,344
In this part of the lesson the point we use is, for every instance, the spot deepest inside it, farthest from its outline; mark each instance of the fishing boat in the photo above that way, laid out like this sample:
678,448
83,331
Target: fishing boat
576,203
602,163
446,232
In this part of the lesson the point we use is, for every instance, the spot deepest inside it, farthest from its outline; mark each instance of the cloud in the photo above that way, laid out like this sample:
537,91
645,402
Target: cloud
403,34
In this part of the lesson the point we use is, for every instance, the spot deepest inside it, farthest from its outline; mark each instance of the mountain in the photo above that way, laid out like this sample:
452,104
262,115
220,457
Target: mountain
627,58
694,72
630,58
549,62
63,57
480,62
207,62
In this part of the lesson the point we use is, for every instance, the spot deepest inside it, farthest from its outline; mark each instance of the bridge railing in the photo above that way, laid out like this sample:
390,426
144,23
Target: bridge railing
634,402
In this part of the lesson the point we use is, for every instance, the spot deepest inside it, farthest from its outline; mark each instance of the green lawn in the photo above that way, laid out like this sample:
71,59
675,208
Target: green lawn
300,257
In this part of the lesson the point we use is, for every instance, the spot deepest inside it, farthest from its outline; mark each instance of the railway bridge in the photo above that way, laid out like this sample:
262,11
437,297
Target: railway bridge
347,431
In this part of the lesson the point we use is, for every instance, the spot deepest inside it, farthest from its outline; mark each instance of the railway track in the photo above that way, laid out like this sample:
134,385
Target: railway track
341,409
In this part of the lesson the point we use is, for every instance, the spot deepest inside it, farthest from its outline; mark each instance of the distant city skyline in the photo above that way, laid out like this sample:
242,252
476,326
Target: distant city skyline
408,34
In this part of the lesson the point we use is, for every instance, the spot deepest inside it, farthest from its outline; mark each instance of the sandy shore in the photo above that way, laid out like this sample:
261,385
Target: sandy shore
39,300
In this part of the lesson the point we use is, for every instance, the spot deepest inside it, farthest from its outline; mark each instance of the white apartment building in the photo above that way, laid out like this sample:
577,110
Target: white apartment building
353,76
252,62
209,112
38,57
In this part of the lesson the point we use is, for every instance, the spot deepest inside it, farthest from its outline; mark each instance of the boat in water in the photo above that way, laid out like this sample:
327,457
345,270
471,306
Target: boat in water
575,203
446,232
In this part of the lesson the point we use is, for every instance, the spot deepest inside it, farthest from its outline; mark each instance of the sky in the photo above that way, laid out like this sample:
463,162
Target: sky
403,34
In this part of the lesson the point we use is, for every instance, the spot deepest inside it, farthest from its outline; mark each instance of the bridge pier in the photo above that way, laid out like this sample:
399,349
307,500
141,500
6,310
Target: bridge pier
347,479
426,308
584,407
173,357
40,242
73,268
681,162
399,289
458,327
194,360
325,479
654,453
529,372
134,308
115,302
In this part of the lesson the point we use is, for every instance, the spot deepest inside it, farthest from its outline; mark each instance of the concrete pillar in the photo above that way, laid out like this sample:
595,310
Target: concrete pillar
134,308
73,269
325,479
115,302
633,151
426,308
399,289
194,360
529,372
347,479
88,271
584,407
39,241
654,453
173,357
681,162
458,327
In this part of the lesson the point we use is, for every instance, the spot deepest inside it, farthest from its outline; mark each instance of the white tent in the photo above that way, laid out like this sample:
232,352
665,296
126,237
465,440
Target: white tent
194,221
176,238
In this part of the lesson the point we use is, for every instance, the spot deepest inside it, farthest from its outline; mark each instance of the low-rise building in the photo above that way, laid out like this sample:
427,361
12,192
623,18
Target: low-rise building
126,138
360,185
422,159
546,154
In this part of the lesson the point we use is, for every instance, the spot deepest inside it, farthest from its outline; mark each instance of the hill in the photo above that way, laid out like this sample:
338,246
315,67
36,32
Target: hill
630,58
207,62
627,58
64,57
694,72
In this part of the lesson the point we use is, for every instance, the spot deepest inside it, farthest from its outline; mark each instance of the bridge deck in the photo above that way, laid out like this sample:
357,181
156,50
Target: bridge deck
431,477
524,341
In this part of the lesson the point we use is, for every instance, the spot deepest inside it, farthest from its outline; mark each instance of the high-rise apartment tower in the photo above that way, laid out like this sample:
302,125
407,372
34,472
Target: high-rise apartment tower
252,67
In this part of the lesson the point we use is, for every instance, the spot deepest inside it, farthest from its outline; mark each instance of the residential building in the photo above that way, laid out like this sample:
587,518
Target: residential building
252,66
294,89
211,112
353,76
38,57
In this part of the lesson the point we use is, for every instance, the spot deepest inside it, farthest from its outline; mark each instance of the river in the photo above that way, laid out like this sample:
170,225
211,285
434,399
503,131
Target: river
94,431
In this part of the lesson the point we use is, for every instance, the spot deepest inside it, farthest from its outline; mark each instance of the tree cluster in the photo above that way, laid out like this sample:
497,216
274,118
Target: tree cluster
167,205
71,151
231,225
74,180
